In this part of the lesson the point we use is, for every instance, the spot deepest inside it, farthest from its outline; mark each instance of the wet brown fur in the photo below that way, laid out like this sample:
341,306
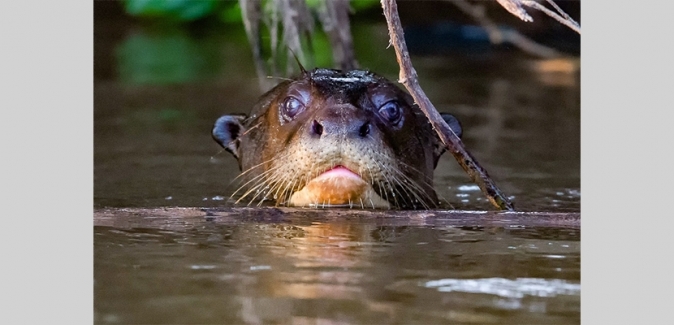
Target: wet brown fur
278,157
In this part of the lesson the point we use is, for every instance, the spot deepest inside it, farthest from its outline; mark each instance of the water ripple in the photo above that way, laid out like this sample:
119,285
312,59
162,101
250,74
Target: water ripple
507,288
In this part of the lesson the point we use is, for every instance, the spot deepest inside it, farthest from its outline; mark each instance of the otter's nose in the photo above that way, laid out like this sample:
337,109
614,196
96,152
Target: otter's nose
360,128
341,121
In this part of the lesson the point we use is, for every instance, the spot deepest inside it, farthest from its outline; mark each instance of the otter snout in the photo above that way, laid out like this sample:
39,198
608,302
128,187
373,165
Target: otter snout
340,121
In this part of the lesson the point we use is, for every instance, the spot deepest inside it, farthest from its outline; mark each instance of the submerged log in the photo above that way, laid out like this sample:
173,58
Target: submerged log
188,217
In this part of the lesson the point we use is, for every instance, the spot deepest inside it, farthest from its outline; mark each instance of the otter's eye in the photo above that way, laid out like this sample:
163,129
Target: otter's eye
291,107
391,111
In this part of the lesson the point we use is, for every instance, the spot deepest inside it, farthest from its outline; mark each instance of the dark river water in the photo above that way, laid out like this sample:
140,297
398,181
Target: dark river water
157,92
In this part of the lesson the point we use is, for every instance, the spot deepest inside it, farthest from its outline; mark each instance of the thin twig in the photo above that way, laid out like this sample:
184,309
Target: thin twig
408,77
567,22
498,36
515,7
561,12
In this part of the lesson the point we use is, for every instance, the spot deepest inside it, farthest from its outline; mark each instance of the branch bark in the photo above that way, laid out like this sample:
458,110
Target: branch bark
566,20
252,16
334,16
408,77
515,8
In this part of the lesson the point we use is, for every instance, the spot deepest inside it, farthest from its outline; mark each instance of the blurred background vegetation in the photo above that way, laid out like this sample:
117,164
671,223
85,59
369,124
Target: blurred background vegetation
171,41
191,10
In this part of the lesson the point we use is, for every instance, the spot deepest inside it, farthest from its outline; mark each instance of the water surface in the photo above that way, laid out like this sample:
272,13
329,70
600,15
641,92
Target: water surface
157,93
296,266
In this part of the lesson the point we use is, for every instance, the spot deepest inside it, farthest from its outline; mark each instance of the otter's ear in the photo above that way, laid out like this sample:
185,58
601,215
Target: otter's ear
455,125
226,132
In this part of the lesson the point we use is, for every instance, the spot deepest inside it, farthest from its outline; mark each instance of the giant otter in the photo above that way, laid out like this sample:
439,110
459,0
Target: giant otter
334,138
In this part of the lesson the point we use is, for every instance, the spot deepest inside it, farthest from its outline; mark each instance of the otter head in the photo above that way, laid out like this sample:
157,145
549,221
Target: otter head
333,138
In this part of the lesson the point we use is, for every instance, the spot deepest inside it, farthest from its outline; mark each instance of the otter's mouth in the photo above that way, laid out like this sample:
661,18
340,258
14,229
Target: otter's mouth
337,186
338,173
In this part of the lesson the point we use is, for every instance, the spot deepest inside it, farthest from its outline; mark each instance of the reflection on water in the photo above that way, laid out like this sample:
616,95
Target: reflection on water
157,93
165,58
293,267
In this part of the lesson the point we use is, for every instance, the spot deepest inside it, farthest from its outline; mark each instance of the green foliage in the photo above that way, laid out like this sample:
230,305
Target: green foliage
173,10
355,4
231,13
322,52
190,10
364,4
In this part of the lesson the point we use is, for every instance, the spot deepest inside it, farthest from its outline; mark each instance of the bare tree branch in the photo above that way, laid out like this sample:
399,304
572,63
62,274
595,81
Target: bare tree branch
252,15
334,16
515,8
567,22
561,12
498,36
408,77
291,27
297,21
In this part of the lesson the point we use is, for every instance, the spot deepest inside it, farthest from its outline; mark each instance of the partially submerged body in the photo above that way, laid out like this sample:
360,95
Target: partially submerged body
333,138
